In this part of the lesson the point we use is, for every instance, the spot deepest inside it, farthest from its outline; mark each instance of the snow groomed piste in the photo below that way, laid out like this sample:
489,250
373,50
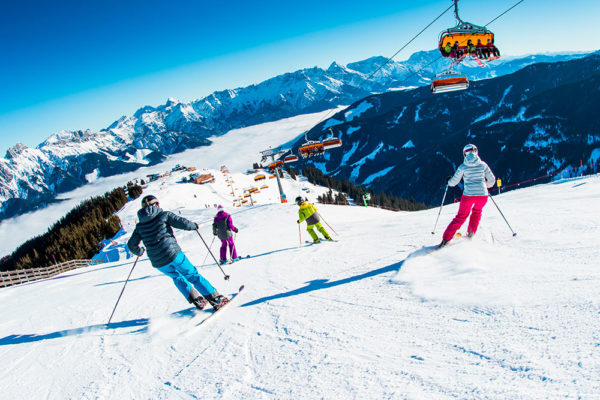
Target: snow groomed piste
371,316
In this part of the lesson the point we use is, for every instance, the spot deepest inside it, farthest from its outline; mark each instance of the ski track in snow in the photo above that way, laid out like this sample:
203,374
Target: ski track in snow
375,315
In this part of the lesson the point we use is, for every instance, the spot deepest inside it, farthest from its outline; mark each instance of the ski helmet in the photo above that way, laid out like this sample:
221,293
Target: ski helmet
299,200
149,200
469,148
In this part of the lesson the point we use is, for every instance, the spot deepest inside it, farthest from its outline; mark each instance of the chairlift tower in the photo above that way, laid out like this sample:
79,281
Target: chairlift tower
270,155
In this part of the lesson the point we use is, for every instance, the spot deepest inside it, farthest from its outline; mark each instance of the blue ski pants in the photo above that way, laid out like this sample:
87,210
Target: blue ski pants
185,275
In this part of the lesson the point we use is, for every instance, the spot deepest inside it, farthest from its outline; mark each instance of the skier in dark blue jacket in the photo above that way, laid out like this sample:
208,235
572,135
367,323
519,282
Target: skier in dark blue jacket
155,231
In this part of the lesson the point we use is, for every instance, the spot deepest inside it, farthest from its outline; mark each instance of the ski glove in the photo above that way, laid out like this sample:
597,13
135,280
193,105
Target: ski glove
236,230
448,179
297,221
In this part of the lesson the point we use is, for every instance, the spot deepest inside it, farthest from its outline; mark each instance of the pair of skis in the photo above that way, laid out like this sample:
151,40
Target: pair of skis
310,242
231,261
213,313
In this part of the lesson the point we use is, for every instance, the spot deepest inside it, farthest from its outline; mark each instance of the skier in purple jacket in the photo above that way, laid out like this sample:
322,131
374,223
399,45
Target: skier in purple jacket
223,228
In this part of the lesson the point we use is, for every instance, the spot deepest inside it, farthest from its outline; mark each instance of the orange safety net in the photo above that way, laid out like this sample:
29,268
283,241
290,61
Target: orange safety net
463,38
276,164
450,81
311,148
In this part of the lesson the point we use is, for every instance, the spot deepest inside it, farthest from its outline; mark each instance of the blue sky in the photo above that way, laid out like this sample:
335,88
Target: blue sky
83,64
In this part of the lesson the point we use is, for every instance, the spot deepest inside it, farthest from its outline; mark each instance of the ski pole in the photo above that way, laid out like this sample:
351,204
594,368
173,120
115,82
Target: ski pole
206,256
300,235
328,224
509,227
233,248
122,290
442,205
225,276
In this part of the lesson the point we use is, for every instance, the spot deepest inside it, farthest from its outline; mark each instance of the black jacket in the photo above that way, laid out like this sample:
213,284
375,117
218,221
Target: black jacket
154,229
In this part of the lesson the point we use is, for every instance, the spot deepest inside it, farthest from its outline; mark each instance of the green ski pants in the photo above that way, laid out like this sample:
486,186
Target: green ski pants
311,231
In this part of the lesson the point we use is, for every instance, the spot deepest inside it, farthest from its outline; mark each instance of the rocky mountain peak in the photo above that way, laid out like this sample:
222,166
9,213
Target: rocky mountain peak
15,151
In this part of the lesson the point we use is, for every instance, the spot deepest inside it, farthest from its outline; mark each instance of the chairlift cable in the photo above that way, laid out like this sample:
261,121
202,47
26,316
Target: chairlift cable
403,47
390,59
439,58
409,42
516,4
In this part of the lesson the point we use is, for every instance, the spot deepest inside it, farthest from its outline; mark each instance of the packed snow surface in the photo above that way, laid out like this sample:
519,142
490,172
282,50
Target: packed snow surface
375,315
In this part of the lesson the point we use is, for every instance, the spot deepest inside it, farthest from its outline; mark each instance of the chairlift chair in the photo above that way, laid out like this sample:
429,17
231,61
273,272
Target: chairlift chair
311,148
291,158
462,33
331,143
276,164
449,81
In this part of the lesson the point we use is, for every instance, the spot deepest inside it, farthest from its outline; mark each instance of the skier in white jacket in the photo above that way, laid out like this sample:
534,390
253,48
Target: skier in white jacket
478,177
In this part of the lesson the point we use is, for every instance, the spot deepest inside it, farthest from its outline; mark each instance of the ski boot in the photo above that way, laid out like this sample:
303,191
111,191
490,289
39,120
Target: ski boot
222,262
196,299
470,235
444,242
217,300
317,241
329,239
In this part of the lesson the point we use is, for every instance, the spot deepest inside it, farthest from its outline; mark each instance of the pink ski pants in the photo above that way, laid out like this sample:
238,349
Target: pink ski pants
232,251
468,205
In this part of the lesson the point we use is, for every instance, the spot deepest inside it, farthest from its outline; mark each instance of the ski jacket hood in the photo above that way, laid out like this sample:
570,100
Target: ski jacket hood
146,214
472,159
308,212
155,230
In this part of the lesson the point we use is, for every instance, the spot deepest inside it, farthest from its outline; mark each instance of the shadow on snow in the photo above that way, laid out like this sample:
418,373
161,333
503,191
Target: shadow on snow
140,323
320,284
252,256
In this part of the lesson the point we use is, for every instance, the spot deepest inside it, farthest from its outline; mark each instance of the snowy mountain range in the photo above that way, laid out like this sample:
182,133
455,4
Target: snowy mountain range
32,177
537,121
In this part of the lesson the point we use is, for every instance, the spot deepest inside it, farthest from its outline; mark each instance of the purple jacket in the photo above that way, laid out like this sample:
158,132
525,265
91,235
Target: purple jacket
223,225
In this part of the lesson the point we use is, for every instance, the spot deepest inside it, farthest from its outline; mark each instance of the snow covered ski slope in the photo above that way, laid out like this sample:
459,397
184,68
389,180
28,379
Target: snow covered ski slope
372,316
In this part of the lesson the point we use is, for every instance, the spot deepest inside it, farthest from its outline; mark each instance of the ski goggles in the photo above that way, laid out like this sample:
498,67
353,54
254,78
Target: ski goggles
152,202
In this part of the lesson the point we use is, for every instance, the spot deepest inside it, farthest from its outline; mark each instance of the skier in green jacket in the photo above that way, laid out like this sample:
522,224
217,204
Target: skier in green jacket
308,212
